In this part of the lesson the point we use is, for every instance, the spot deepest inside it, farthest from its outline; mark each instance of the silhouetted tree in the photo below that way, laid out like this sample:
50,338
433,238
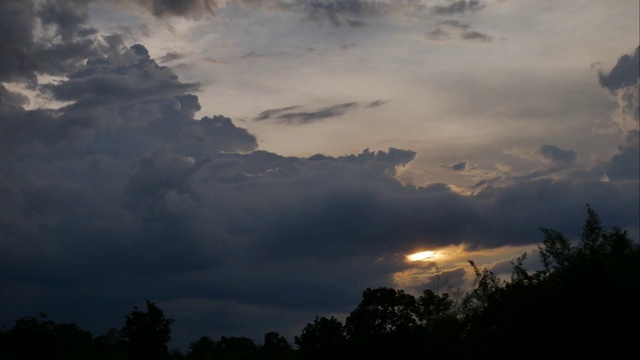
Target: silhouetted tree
441,327
147,333
382,310
323,338
110,345
584,292
431,307
34,338
384,321
275,346
203,349
237,347
176,354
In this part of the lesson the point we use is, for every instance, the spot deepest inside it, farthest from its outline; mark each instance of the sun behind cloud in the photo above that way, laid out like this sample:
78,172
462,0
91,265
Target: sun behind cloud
423,256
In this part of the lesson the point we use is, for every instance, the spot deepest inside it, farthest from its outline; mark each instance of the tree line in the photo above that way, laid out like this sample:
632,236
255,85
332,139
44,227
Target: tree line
584,301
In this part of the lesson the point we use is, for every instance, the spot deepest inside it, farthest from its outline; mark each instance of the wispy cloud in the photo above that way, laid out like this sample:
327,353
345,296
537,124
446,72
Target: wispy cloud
458,7
170,56
455,30
293,115
305,117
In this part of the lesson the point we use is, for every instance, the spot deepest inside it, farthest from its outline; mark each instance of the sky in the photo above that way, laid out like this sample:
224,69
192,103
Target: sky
248,165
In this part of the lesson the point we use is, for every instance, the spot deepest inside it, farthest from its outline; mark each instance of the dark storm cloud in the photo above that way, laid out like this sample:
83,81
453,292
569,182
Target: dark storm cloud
625,73
556,155
285,115
457,7
625,164
11,99
67,17
130,77
18,19
65,43
184,8
623,83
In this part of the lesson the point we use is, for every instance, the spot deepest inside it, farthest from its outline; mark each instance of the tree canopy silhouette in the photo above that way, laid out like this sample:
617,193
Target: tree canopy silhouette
583,301
147,333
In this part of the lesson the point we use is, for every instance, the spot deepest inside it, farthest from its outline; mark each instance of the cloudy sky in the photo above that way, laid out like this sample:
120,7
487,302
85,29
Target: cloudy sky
250,164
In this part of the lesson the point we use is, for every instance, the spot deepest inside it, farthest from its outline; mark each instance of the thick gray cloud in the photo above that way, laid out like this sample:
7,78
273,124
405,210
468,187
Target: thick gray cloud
64,42
623,83
556,155
625,164
625,73
194,9
128,77
10,98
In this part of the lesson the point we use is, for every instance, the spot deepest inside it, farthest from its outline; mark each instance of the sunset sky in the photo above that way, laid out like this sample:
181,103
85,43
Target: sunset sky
248,165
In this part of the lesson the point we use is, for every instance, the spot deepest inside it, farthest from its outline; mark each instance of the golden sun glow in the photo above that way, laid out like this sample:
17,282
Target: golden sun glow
422,256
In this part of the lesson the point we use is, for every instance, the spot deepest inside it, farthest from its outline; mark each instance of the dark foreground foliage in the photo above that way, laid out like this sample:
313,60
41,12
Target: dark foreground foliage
584,301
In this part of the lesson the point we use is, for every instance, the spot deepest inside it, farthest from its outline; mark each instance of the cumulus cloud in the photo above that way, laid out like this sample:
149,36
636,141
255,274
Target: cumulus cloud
130,76
623,84
625,164
625,73
65,42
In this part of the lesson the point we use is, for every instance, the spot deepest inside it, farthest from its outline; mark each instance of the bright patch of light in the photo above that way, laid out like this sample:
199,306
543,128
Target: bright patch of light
422,256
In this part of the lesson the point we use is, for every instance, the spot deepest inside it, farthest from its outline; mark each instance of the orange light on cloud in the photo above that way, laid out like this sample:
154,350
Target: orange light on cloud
424,266
423,256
